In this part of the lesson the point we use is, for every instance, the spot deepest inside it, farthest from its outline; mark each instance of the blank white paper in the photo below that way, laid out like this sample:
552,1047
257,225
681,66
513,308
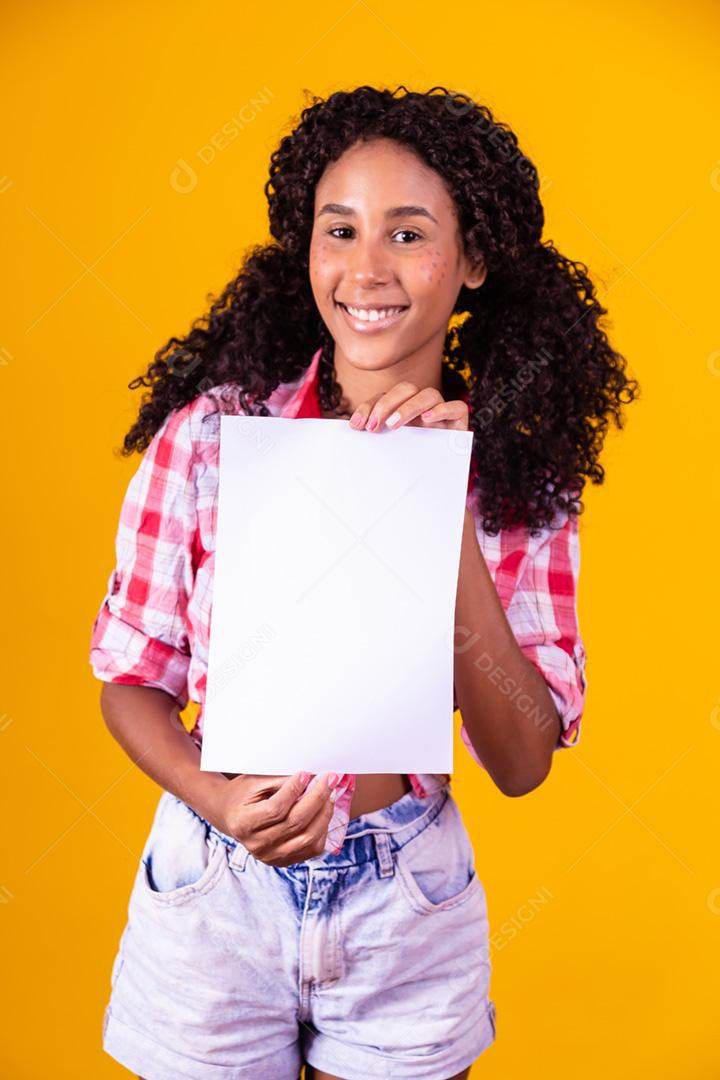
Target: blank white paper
336,571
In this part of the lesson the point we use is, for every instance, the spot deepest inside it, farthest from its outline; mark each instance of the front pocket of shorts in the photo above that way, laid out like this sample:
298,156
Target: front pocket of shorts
179,861
436,868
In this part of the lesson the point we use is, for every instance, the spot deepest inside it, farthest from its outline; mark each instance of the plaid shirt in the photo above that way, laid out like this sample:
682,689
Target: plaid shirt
153,626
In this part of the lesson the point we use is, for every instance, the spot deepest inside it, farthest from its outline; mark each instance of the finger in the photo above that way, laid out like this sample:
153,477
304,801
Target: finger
362,412
390,402
370,415
264,810
414,407
401,405
300,829
294,796
258,788
302,845
454,414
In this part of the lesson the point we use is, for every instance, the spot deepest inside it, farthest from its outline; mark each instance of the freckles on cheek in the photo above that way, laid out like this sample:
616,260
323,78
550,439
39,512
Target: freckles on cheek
319,255
320,263
434,268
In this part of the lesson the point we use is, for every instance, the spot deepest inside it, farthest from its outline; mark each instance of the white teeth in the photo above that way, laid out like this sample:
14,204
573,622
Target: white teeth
373,314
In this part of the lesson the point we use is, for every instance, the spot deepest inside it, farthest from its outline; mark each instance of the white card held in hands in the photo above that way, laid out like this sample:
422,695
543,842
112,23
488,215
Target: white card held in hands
336,570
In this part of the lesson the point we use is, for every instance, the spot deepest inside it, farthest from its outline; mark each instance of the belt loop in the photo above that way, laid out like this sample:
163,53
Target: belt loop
384,854
237,856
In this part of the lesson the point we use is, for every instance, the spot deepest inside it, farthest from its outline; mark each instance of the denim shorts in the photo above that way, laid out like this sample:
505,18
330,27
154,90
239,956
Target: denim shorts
372,962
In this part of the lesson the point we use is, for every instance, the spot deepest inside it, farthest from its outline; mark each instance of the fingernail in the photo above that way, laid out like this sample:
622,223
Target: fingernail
332,779
392,420
372,423
425,415
355,419
304,777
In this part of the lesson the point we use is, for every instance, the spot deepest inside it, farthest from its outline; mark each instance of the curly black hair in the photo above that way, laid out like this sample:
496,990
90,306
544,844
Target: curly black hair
526,349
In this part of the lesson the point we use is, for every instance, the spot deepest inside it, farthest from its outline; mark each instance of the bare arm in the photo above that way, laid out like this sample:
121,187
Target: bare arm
146,722
274,816
515,748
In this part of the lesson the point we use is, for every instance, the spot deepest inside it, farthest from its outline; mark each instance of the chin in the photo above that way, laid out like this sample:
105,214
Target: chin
369,356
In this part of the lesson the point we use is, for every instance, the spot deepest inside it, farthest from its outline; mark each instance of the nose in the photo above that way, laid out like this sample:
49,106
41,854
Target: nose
369,264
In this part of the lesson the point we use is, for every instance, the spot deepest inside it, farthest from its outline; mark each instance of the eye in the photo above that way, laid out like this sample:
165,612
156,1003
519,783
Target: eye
347,228
408,232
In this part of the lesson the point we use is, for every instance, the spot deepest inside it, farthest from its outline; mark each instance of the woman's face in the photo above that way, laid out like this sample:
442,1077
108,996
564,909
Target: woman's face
386,237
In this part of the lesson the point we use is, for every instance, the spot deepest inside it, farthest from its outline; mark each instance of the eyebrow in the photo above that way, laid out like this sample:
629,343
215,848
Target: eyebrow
393,212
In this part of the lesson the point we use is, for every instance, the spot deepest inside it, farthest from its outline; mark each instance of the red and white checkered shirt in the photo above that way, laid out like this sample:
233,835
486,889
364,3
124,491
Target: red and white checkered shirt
153,627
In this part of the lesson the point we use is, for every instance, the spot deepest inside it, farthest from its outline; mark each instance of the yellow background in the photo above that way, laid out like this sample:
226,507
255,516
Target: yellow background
603,885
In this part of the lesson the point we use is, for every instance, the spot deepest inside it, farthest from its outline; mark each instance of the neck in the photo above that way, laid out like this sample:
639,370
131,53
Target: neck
361,384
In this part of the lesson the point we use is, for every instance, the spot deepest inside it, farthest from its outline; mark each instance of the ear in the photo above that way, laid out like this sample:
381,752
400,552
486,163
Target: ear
475,274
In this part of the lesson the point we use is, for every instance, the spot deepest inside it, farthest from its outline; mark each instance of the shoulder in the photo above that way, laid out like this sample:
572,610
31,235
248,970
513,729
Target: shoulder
563,525
193,428
513,554
198,421
188,421
190,435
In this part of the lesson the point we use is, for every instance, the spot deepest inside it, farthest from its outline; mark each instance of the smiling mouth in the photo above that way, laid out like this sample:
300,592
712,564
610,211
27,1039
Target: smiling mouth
366,320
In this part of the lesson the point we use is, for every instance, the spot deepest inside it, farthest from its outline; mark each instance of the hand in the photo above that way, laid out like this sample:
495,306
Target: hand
410,406
275,818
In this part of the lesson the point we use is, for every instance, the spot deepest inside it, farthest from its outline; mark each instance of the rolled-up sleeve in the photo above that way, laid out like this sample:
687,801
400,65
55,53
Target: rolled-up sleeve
537,580
139,636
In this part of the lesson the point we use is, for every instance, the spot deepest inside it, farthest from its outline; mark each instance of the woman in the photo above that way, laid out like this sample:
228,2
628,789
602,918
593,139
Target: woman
275,922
